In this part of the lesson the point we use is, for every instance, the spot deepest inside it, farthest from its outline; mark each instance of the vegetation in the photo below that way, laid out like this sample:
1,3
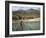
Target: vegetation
28,14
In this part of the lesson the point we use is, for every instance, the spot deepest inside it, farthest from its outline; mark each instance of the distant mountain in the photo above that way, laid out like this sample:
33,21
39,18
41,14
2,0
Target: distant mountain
29,11
18,11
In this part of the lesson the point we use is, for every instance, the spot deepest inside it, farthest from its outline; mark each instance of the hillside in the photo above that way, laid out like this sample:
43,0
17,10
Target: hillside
30,13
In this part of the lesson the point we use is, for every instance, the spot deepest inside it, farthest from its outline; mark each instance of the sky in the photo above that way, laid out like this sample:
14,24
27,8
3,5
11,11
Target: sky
15,8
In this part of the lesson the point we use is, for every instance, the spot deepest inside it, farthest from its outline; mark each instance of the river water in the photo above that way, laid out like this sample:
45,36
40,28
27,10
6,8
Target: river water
26,26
